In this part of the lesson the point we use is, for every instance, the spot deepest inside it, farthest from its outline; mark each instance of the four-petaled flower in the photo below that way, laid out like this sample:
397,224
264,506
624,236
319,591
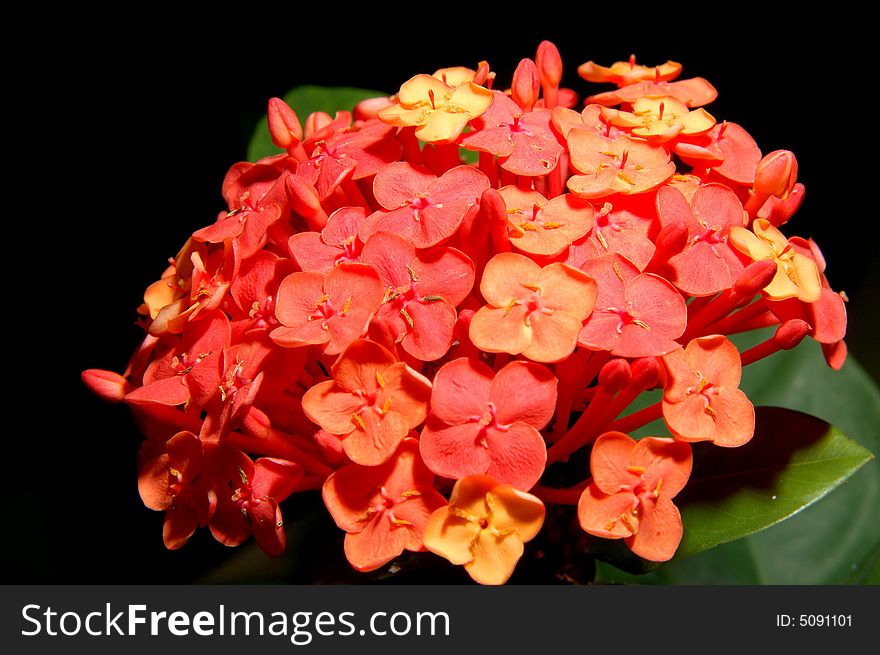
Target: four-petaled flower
383,509
483,422
438,111
335,309
701,398
533,311
797,276
422,291
523,141
545,227
625,165
421,207
636,314
372,402
631,494
484,527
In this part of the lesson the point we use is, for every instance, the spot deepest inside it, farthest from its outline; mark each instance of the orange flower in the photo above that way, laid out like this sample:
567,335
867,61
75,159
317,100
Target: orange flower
622,73
660,118
623,166
372,402
631,494
484,527
533,311
701,398
545,227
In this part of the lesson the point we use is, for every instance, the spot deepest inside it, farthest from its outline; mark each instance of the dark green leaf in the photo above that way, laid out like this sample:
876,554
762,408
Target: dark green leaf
304,100
792,461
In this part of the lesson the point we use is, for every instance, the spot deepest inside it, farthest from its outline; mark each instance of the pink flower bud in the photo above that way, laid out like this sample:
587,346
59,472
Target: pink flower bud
776,174
791,333
615,375
526,84
284,125
315,121
645,372
549,64
107,385
755,277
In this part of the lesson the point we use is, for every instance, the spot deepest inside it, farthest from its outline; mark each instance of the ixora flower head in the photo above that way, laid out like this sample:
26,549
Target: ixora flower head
436,306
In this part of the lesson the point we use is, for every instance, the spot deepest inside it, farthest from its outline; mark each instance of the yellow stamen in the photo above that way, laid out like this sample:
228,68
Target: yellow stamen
658,488
551,225
528,227
626,178
386,406
380,380
346,306
407,317
359,421
638,470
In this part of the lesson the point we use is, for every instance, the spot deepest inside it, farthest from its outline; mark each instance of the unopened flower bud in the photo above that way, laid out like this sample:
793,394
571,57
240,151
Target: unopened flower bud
776,174
549,64
284,125
526,84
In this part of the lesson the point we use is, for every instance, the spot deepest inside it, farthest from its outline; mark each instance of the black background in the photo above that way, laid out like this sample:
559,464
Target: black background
120,128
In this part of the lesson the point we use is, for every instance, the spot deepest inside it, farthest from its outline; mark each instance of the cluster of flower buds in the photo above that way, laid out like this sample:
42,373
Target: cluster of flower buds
421,338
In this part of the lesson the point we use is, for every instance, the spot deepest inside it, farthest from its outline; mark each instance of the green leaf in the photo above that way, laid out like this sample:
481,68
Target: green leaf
792,461
304,100
832,540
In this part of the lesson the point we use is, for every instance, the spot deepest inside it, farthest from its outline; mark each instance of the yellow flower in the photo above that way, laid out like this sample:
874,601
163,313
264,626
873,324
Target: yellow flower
484,527
439,111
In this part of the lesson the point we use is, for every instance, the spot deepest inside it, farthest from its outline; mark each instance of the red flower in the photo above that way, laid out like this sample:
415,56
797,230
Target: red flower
522,140
383,509
707,265
631,495
636,314
337,243
624,166
172,482
701,398
421,292
248,494
421,207
545,227
533,311
333,309
372,402
487,423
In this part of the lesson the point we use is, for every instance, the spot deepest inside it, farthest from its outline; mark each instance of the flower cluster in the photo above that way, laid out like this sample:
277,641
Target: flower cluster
422,338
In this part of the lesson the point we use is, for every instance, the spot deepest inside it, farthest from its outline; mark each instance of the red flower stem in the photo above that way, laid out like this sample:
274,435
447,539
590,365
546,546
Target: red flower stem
501,360
276,445
637,419
698,303
551,96
706,313
507,178
554,182
766,319
580,433
297,152
560,496
489,168
754,203
564,402
355,197
410,142
592,367
540,184
447,155
733,322
524,182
